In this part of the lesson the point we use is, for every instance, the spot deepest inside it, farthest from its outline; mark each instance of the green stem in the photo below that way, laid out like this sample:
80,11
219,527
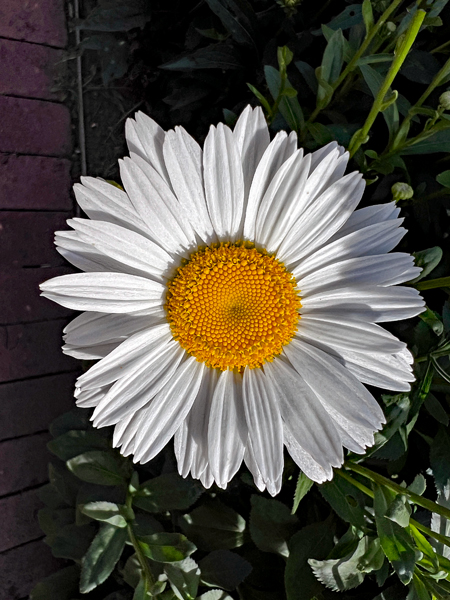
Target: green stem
432,284
433,534
146,573
398,489
358,54
410,35
440,48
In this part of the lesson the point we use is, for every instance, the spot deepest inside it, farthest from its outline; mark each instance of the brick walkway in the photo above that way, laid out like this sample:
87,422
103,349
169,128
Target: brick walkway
36,379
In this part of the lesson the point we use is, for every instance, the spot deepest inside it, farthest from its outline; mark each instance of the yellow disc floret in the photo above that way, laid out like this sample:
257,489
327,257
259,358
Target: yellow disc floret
233,306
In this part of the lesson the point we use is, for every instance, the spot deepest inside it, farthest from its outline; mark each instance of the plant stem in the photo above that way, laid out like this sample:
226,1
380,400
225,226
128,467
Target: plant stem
410,35
432,284
423,528
146,573
398,489
364,46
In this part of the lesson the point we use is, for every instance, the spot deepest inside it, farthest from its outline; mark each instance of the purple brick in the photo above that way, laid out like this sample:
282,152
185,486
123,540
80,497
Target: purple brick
20,300
18,519
32,349
34,127
41,400
23,463
40,21
30,70
26,239
22,568
35,183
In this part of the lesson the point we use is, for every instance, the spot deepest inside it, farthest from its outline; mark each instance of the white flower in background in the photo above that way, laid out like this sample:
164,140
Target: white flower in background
233,295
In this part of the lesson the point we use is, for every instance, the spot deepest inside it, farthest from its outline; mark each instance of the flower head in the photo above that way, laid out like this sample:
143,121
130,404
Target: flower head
232,296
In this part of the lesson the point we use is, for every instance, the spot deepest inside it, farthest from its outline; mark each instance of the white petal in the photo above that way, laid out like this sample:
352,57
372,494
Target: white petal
148,376
102,201
91,328
330,169
122,360
375,239
304,416
224,182
370,215
156,205
252,138
184,160
265,426
383,269
91,352
322,218
191,439
89,398
282,202
347,334
305,461
104,292
227,433
249,459
319,155
146,138
278,151
373,303
126,247
334,385
207,478
167,410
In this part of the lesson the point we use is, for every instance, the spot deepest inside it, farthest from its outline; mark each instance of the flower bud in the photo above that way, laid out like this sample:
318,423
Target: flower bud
444,100
401,191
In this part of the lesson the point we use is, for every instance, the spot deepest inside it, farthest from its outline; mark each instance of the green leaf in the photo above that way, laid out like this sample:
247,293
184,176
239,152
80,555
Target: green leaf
224,569
437,142
373,559
184,578
399,511
436,410
419,485
50,496
284,56
51,520
238,18
76,442
62,585
374,80
350,16
308,74
167,492
102,556
64,482
71,541
440,458
289,107
342,573
261,98
321,134
116,16
428,260
77,418
432,319
333,58
367,14
215,56
345,500
109,512
420,66
214,526
395,541
444,178
313,541
215,595
100,467
166,547
304,484
271,525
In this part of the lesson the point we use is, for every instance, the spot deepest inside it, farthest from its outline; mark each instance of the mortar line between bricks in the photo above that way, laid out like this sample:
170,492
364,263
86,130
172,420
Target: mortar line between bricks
24,435
37,210
11,153
41,376
22,97
41,537
11,39
38,320
30,488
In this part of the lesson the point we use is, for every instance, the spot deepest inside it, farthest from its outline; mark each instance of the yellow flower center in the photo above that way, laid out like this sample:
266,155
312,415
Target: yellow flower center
232,306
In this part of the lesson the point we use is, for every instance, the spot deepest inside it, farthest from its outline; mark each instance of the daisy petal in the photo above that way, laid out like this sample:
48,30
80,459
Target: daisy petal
370,215
104,292
304,416
279,150
224,182
167,410
184,163
227,433
265,426
252,138
146,138
305,461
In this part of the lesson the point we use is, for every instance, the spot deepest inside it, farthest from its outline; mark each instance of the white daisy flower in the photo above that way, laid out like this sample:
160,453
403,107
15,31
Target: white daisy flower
233,295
